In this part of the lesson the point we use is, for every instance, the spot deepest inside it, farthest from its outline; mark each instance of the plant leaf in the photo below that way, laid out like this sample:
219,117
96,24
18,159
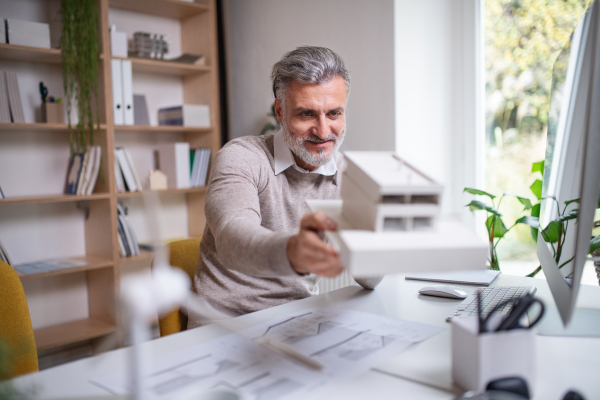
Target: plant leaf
594,244
538,167
536,188
535,212
523,200
571,201
499,227
550,233
531,221
478,205
567,217
479,192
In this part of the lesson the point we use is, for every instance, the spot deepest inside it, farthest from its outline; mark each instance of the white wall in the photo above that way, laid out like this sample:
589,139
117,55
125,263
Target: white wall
259,32
437,67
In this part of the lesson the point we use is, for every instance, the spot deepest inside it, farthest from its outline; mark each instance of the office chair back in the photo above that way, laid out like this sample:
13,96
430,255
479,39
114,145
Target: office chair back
184,254
17,343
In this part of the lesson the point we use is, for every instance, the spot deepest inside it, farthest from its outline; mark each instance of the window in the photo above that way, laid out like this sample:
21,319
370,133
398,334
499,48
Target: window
522,41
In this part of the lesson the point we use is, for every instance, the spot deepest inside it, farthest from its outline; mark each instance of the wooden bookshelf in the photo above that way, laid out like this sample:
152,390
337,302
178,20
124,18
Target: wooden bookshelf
163,8
94,263
15,52
144,256
57,198
200,85
161,128
71,332
164,191
39,127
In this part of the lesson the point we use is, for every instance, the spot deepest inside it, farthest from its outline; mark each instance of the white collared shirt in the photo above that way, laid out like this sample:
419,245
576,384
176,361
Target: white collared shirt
284,159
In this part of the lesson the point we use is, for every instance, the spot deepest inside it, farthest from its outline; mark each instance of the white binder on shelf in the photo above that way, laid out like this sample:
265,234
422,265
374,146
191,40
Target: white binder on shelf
174,160
126,76
117,89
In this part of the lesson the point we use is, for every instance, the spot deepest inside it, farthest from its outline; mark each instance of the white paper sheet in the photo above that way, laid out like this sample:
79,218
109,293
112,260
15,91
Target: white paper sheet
346,342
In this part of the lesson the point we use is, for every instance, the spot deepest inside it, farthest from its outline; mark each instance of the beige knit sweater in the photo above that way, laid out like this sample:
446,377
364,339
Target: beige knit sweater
251,214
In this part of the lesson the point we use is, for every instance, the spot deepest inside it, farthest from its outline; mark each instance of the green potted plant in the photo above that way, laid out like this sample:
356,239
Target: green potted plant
80,44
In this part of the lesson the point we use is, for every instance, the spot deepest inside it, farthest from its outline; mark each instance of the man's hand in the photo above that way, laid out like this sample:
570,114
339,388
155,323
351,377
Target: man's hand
308,253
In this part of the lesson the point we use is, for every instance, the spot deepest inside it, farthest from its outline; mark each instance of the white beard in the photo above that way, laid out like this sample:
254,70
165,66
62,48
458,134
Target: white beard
297,147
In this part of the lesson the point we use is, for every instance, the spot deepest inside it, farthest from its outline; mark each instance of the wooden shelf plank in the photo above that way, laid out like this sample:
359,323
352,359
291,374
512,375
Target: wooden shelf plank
71,332
145,255
163,8
56,198
164,67
39,126
16,52
94,263
165,191
161,128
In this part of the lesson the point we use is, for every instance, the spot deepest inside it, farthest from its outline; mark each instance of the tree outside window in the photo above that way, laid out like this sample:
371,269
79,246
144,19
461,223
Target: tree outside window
522,40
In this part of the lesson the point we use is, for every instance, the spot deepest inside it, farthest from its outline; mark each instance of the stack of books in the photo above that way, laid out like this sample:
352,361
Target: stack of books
11,108
83,171
126,174
128,243
199,159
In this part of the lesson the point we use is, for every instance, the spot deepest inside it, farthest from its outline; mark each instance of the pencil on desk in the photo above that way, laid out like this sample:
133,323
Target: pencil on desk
292,354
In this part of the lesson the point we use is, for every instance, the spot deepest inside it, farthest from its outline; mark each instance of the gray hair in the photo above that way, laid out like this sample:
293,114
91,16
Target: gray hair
307,65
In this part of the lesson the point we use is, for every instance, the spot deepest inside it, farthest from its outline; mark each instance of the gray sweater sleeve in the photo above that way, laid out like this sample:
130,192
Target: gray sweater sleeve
233,215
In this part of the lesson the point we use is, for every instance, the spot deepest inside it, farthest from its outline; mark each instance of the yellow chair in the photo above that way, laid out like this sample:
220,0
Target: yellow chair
16,332
184,254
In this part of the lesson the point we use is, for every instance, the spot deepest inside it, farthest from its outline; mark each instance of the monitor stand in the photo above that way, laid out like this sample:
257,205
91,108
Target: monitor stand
584,323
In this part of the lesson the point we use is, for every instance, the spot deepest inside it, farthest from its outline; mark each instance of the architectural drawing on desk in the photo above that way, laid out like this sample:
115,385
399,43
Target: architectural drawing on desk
340,334
345,342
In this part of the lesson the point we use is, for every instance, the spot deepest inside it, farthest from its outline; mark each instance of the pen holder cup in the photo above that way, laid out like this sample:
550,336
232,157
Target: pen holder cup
53,113
478,359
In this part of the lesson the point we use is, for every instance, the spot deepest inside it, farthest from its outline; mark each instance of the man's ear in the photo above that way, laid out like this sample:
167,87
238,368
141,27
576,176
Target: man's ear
278,111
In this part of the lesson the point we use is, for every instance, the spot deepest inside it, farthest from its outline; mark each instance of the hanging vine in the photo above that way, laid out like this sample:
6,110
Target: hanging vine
80,43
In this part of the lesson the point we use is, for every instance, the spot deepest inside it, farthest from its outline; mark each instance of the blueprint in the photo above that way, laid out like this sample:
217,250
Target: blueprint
345,342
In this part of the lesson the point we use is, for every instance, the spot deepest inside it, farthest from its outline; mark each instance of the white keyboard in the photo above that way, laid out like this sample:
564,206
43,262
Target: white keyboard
490,298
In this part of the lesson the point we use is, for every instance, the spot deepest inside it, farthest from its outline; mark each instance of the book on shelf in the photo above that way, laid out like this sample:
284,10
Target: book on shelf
14,97
83,171
126,168
192,115
174,161
1,193
128,243
199,159
4,254
4,107
50,265
140,110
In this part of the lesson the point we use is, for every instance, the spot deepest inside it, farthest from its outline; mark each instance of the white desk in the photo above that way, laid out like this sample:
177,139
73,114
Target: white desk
422,372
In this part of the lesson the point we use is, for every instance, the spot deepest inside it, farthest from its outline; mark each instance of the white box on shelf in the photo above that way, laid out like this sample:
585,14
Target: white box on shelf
118,42
25,33
478,359
174,161
192,115
382,192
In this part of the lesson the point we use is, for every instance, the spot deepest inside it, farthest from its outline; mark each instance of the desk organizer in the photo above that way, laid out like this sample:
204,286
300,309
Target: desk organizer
478,359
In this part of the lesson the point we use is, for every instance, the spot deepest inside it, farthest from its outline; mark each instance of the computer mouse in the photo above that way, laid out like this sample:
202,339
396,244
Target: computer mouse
451,292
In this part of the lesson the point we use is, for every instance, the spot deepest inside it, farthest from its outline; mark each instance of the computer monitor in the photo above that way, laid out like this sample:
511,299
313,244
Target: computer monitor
572,171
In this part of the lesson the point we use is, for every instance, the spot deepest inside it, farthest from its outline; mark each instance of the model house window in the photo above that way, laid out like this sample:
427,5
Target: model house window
522,41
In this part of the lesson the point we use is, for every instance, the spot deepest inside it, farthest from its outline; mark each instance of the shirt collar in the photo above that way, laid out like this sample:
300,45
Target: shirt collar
284,159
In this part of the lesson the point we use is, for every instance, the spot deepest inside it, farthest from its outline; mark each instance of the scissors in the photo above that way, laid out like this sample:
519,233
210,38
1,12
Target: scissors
43,92
520,308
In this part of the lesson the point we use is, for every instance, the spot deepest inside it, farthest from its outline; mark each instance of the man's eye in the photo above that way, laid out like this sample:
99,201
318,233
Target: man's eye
306,114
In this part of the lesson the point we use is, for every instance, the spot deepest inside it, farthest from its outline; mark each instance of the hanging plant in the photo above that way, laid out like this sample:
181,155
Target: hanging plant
80,43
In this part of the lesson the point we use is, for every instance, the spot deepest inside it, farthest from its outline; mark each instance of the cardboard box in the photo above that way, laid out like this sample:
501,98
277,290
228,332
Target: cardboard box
53,113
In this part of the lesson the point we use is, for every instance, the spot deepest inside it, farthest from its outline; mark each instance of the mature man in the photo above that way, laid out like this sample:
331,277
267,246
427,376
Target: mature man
261,247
